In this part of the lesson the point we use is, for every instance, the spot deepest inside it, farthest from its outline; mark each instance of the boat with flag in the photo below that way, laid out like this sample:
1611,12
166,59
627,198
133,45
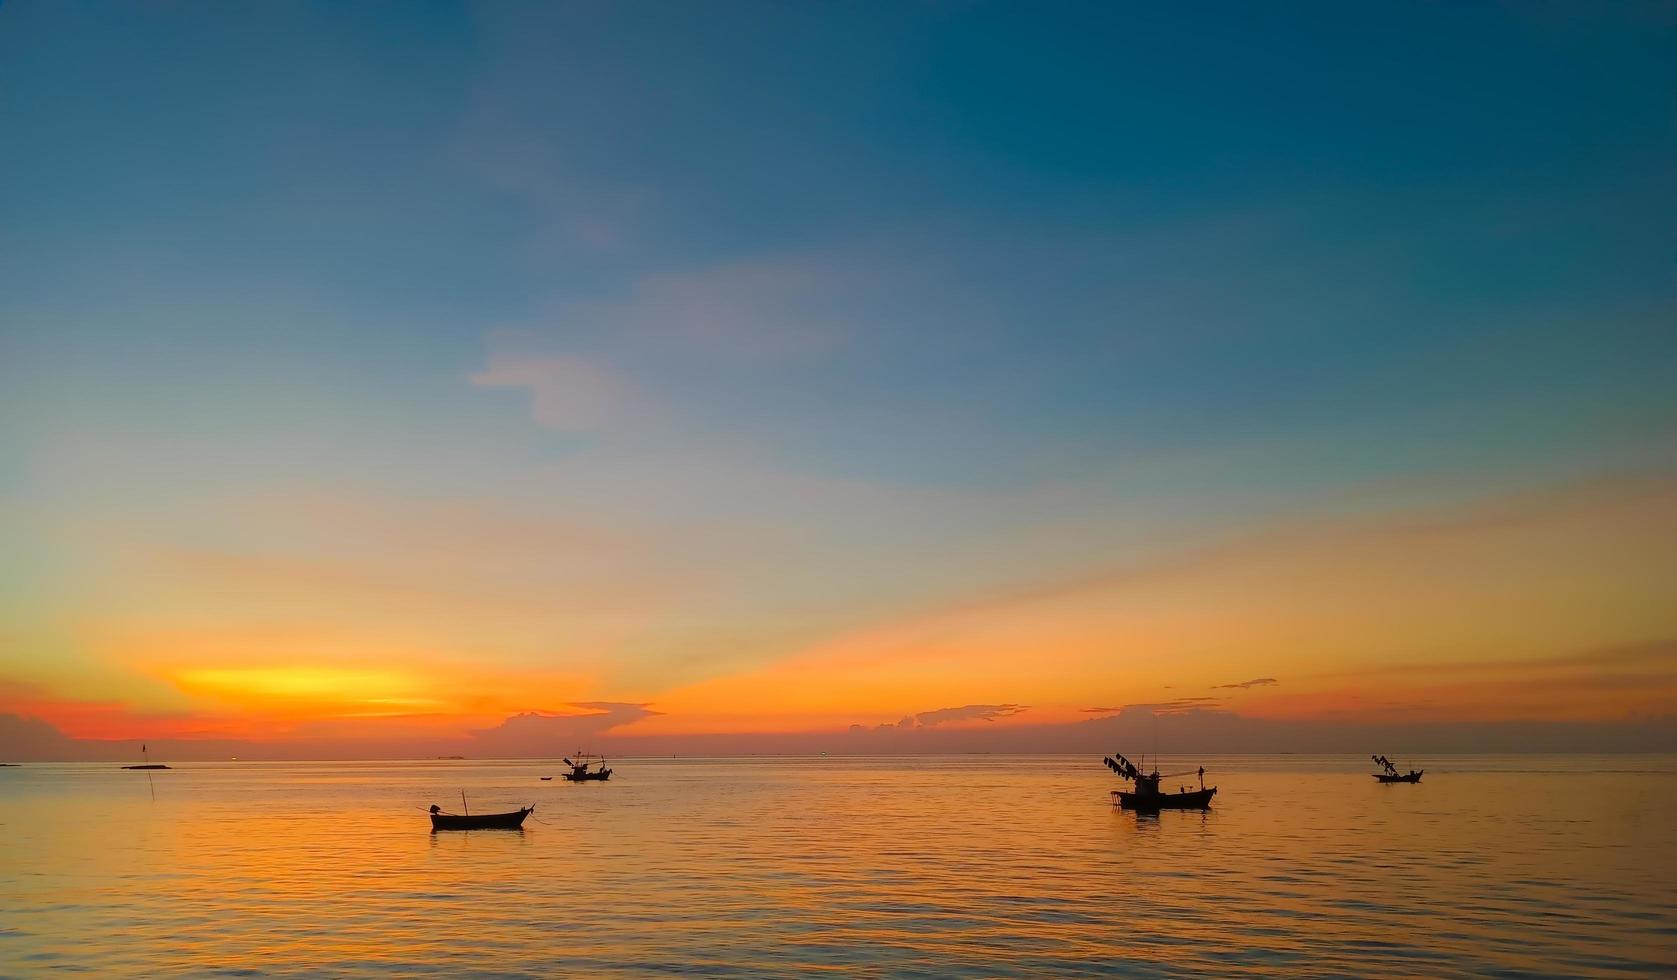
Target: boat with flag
148,764
1147,795
583,768
1389,773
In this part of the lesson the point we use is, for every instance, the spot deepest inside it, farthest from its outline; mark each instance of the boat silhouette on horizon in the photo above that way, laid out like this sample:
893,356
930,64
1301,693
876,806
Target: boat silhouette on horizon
147,764
582,768
1390,772
1147,797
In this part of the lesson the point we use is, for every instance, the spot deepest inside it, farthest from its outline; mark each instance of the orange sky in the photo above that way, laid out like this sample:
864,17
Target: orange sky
1532,606
363,390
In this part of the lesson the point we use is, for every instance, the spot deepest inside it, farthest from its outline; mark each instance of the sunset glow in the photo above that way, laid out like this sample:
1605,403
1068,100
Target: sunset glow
950,385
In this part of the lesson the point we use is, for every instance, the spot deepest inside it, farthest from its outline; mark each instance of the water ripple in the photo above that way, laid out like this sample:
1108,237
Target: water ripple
968,866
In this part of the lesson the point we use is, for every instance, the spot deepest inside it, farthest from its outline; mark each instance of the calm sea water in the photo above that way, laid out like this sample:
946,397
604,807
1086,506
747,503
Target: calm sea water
971,865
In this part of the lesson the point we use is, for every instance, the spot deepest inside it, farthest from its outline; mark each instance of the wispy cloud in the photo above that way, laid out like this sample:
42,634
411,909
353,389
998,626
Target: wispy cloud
932,719
535,732
970,712
1244,685
768,308
571,394
1171,707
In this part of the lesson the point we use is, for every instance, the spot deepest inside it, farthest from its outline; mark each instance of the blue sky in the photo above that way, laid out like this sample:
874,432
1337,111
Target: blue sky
949,294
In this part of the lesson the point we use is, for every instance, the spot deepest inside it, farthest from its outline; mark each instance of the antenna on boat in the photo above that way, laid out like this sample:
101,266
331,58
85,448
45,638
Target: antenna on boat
463,805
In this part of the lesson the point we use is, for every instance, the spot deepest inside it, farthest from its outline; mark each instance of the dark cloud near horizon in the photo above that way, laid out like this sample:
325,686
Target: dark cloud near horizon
970,712
539,732
1171,707
1244,685
932,719
1186,732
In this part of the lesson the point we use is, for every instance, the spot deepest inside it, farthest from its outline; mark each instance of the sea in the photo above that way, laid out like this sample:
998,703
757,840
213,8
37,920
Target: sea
919,866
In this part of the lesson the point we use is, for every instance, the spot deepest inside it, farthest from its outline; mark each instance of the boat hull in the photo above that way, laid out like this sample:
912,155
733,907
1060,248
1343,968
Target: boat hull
154,765
1198,799
586,777
480,821
1413,777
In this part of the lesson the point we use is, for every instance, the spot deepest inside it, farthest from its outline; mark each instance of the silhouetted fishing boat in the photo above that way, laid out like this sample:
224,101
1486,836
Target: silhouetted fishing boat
1148,797
478,821
582,771
1391,774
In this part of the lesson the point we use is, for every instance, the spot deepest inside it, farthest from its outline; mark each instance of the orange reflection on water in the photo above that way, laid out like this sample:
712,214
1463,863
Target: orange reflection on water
978,864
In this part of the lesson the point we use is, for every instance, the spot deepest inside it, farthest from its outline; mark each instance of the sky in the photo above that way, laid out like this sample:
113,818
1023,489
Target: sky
388,379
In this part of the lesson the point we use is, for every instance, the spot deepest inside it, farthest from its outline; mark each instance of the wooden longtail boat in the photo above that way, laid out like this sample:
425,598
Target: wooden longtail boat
1391,775
478,821
1147,798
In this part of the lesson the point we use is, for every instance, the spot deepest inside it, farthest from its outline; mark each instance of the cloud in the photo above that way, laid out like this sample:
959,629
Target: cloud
598,717
1191,732
32,739
969,712
932,719
770,308
1244,685
1175,706
571,394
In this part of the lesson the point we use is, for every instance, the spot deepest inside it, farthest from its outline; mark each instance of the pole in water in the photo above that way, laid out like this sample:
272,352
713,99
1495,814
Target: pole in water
463,805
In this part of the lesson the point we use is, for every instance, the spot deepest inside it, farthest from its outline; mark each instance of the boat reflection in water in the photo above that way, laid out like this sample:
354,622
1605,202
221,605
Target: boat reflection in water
1147,797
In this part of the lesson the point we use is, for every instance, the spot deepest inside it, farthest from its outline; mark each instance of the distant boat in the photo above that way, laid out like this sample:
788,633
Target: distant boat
1391,774
148,763
547,779
580,768
478,821
1147,797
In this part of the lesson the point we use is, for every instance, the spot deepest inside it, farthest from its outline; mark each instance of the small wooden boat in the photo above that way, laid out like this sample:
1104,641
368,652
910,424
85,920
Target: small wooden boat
478,821
547,779
581,769
1391,774
1148,798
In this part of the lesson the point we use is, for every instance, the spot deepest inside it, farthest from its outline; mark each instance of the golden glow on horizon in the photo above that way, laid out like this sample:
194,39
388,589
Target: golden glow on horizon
313,683
1493,612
